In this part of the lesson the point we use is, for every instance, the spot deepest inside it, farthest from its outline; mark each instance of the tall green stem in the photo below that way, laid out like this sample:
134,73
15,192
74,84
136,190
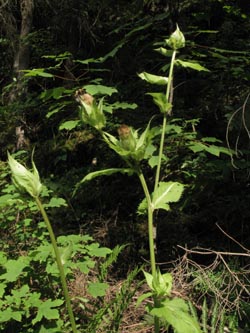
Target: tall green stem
150,222
164,123
59,264
150,239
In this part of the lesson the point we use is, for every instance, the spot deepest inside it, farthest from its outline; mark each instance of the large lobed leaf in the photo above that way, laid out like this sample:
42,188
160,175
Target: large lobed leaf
175,312
166,193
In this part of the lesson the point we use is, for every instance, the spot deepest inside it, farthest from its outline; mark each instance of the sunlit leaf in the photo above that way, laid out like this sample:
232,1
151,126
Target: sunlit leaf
46,310
105,172
149,279
14,268
210,139
153,79
69,125
166,193
85,266
95,250
175,312
153,161
211,149
94,89
37,72
194,65
56,202
142,208
97,289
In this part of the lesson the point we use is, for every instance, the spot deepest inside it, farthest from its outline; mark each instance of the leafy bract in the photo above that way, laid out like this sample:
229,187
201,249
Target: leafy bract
160,284
161,101
135,152
165,52
153,79
166,193
142,208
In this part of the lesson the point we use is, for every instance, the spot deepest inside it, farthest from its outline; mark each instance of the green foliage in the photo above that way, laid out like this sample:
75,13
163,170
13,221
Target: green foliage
214,319
25,298
154,79
132,149
176,313
173,311
105,172
24,295
23,179
109,317
193,65
165,193
113,41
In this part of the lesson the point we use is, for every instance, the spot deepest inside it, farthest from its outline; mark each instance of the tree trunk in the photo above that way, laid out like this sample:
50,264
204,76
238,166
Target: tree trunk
22,56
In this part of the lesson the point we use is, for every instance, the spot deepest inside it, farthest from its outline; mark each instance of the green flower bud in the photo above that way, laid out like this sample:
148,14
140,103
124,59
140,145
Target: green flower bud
176,40
23,179
162,283
91,113
127,138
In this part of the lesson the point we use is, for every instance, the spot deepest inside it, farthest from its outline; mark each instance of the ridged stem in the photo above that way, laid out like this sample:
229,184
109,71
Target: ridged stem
164,122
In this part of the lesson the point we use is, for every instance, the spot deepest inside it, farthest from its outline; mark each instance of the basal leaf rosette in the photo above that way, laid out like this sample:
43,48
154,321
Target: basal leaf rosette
23,179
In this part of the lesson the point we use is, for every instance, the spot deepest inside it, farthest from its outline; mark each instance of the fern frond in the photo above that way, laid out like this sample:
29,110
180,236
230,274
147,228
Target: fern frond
204,316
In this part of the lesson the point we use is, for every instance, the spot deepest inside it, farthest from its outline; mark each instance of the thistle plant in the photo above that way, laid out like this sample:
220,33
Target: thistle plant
29,182
132,147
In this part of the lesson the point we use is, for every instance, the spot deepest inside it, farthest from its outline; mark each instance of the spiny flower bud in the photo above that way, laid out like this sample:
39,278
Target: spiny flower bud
23,179
91,113
176,40
82,97
124,131
87,99
127,138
